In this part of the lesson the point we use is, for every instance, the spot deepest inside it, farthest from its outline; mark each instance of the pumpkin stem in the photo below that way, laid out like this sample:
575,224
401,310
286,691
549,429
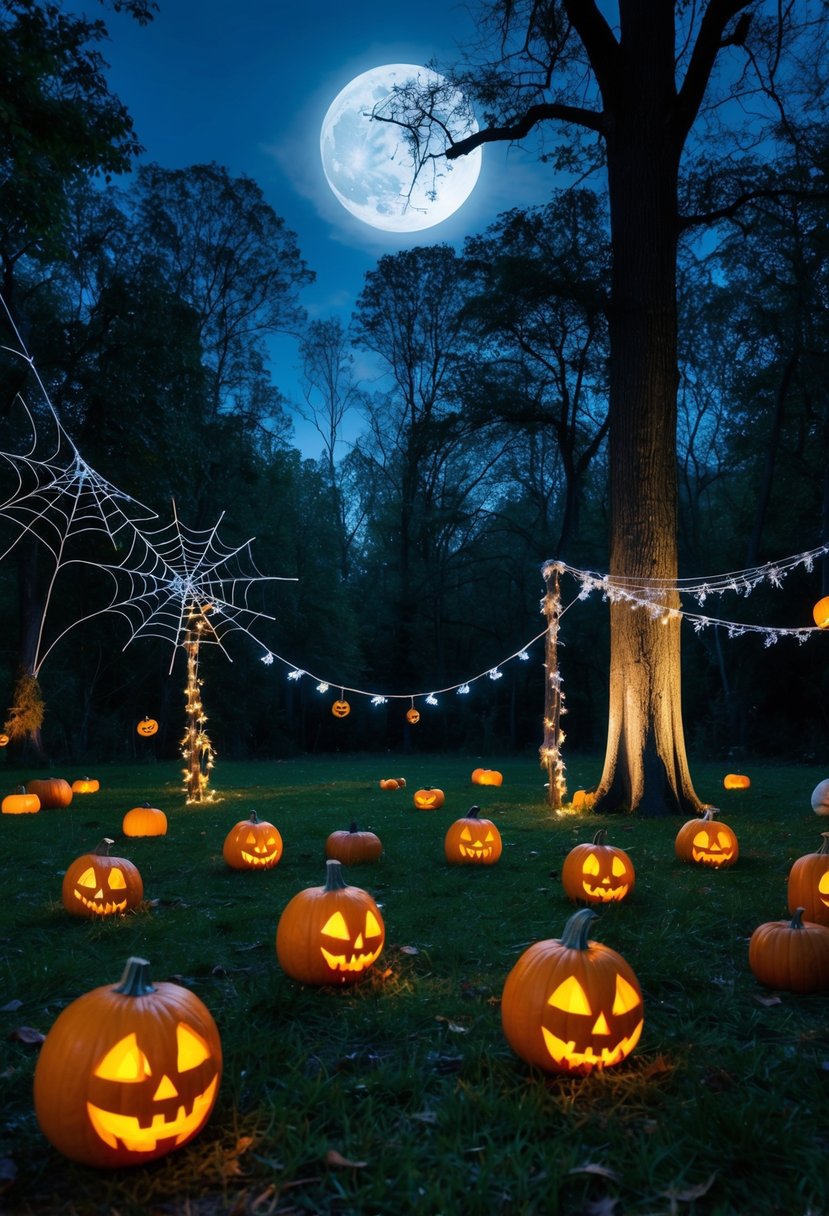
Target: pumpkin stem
574,936
334,880
353,827
103,846
473,812
136,978
710,812
254,818
824,847
600,835
797,919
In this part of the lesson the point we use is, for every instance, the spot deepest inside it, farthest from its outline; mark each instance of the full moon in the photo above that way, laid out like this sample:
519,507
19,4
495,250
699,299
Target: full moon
370,168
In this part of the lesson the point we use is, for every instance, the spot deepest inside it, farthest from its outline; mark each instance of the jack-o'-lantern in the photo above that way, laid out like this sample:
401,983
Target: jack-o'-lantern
96,884
86,785
354,846
412,715
4,739
808,885
487,776
706,842
341,709
597,873
428,799
20,803
570,1005
820,612
147,727
252,844
820,798
472,840
128,1072
144,820
52,791
331,934
736,781
792,955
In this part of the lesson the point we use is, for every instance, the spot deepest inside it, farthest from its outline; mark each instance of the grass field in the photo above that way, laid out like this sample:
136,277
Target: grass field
401,1094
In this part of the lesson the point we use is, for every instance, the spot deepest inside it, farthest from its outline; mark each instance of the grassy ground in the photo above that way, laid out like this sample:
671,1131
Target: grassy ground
401,1095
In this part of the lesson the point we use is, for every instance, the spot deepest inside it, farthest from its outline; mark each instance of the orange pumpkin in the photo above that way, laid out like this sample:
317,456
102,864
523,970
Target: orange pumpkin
487,776
706,843
20,803
353,847
341,709
472,840
52,791
147,727
808,884
736,781
144,820
96,884
86,785
792,955
331,934
429,799
252,844
128,1072
389,783
570,1005
412,715
597,873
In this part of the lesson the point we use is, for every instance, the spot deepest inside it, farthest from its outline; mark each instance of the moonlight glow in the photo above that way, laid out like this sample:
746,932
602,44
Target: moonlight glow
369,165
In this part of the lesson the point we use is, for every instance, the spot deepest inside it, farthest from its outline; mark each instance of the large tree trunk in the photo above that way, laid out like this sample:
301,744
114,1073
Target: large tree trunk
645,766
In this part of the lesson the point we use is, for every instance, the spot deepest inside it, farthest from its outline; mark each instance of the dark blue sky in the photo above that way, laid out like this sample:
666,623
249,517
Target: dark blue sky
247,83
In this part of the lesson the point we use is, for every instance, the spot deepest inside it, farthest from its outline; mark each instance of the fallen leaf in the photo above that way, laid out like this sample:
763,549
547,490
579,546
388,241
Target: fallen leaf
332,1157
455,1027
606,1206
426,1116
409,950
689,1194
600,1171
767,1000
10,1008
27,1035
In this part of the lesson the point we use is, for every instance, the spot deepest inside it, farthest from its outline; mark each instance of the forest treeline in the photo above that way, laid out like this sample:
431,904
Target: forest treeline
473,450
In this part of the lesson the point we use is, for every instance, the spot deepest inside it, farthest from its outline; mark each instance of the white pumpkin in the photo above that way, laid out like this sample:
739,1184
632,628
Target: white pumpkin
820,798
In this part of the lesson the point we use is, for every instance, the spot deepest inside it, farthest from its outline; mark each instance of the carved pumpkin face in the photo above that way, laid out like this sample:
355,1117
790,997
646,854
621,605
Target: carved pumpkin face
147,727
4,739
252,844
430,799
412,715
138,1068
597,873
572,1005
341,709
808,884
472,841
96,884
331,934
706,842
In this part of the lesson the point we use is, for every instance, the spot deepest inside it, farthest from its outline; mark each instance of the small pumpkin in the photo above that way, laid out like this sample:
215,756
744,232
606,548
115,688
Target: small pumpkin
820,612
86,785
353,847
570,1005
472,840
52,791
128,1072
736,781
412,715
791,955
487,776
341,709
389,783
252,844
820,798
96,884
4,739
597,873
330,934
583,800
147,727
430,799
808,884
20,803
707,843
144,820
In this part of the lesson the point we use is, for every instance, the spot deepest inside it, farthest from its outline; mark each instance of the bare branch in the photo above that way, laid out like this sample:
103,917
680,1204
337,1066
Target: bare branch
522,126
710,41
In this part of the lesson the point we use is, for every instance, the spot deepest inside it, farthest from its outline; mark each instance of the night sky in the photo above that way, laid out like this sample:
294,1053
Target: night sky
247,85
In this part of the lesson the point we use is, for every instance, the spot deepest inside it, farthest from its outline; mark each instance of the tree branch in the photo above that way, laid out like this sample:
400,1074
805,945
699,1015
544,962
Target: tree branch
709,43
522,126
598,41
728,212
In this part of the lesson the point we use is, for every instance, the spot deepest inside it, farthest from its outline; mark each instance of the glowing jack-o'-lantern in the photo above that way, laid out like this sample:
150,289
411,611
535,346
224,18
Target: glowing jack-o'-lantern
792,955
4,739
353,847
820,798
570,1005
341,709
487,776
597,873
430,799
52,791
146,728
144,820
412,715
86,785
808,884
472,840
706,842
736,781
96,884
129,1072
331,934
820,612
20,803
252,844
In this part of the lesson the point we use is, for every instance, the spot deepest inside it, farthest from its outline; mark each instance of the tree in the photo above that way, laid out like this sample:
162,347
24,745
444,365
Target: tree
629,95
